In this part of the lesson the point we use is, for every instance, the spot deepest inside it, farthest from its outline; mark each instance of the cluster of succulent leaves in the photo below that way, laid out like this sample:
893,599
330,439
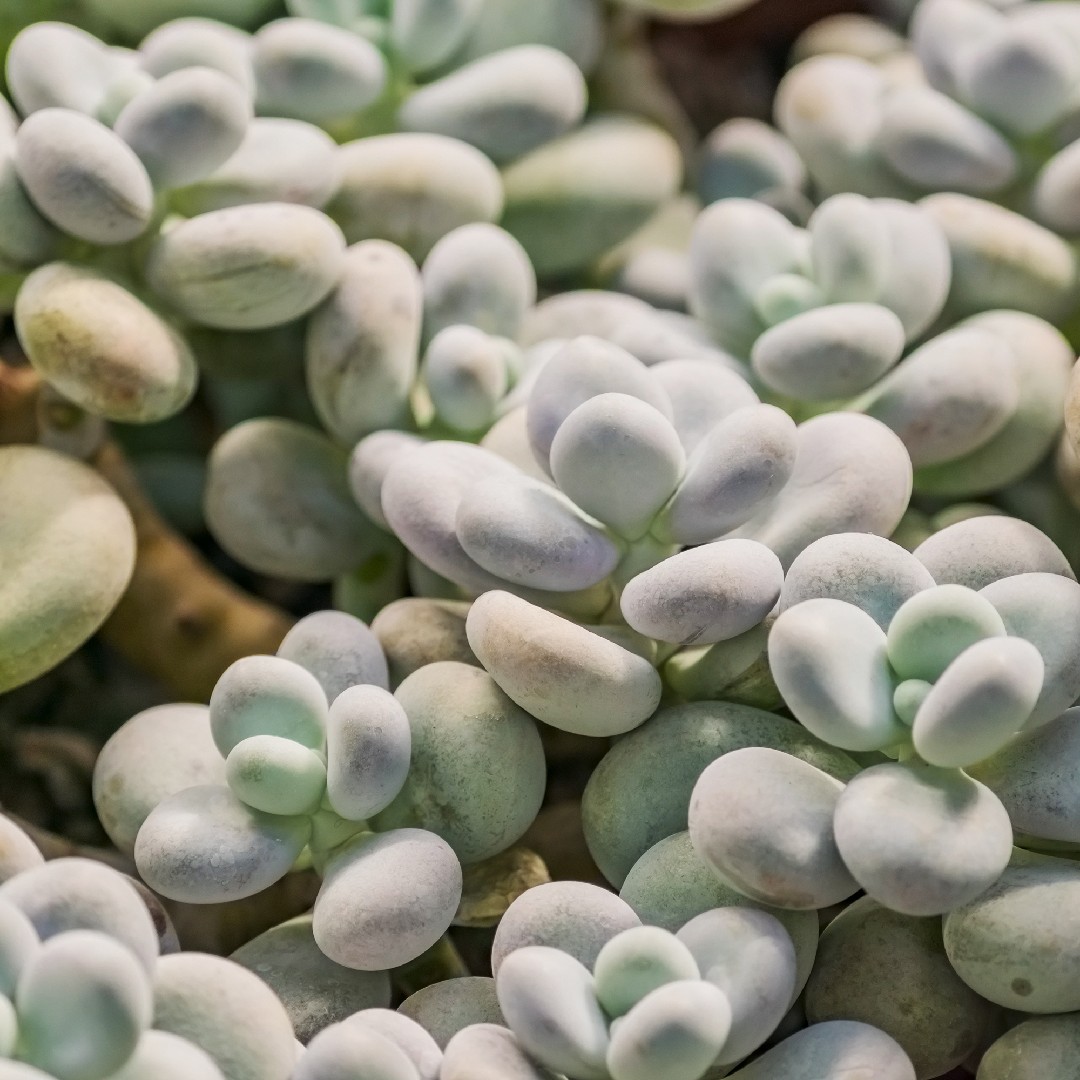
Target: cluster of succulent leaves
93,985
305,758
657,1003
587,454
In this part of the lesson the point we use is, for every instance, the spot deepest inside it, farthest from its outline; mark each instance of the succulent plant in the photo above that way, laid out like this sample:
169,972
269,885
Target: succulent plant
90,988
697,515
307,758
